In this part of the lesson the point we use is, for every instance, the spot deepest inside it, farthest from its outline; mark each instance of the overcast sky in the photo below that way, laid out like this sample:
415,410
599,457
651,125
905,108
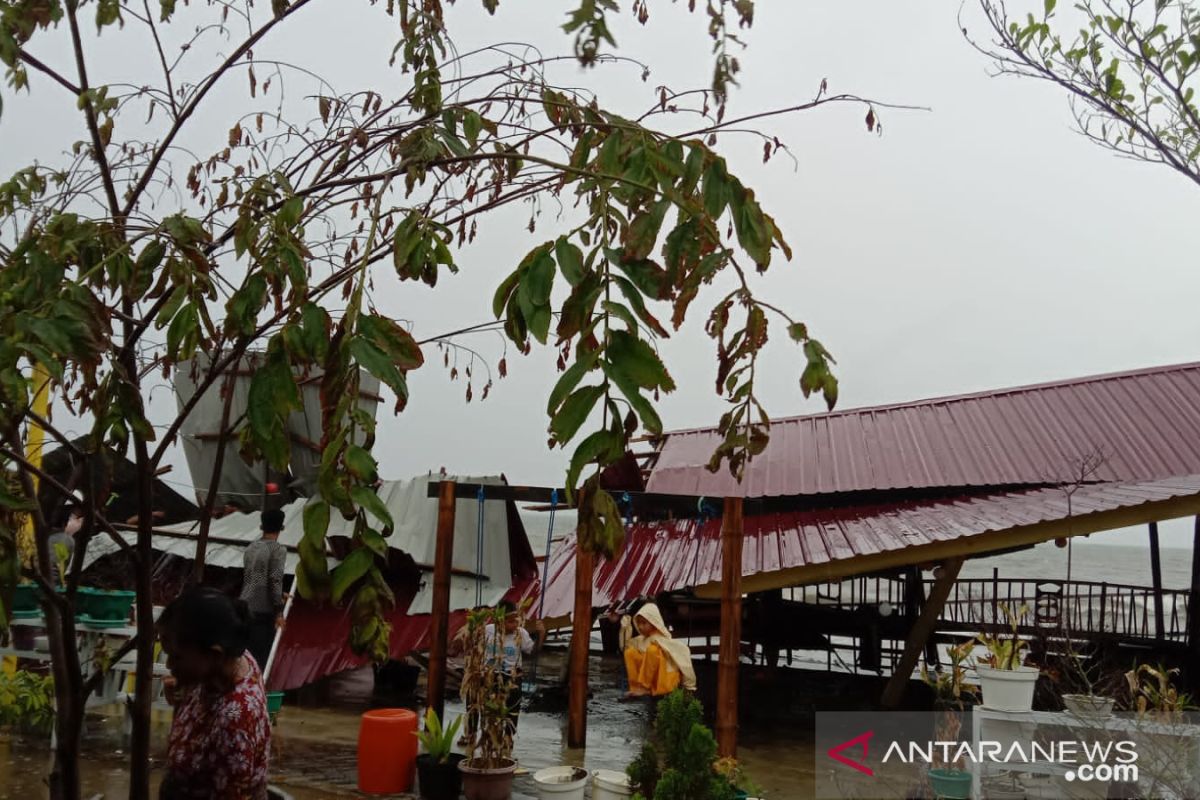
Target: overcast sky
979,245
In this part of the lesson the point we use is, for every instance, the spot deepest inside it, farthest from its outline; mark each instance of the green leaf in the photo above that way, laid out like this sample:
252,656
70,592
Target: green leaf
636,359
642,233
377,362
641,406
1049,5
539,323
374,542
393,340
360,463
472,125
538,281
347,573
369,501
574,412
605,445
584,362
184,332
570,260
503,292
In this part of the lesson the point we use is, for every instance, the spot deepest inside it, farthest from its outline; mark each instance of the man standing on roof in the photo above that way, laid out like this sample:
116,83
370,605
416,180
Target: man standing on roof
262,585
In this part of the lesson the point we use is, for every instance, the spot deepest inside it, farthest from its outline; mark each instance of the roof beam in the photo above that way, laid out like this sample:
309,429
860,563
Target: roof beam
966,546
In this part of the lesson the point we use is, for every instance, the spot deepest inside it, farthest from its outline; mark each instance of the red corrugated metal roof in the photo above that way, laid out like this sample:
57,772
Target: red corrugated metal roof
1146,423
674,555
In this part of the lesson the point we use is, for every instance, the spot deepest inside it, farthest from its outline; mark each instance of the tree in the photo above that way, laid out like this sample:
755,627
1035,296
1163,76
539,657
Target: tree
1129,69
245,249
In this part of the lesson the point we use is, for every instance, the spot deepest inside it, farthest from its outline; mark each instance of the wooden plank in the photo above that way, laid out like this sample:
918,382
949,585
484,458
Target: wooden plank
1156,581
921,630
439,626
731,627
581,635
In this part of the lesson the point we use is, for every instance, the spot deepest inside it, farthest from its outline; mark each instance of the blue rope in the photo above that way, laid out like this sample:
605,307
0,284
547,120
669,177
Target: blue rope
628,503
479,552
545,582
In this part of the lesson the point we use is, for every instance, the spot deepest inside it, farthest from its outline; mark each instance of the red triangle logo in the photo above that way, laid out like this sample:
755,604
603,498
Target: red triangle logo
862,740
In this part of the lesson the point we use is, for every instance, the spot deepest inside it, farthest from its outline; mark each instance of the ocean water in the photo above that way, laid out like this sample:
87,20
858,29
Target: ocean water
1089,561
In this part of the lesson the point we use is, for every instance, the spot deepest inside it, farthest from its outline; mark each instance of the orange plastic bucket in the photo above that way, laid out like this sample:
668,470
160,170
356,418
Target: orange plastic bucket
387,751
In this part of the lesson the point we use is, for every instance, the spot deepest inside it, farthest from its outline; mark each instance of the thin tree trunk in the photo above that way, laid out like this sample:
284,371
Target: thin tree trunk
206,511
139,767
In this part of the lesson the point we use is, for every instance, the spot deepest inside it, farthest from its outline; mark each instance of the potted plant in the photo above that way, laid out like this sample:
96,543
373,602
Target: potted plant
1005,787
1087,704
488,769
950,689
25,600
438,777
681,763
1006,682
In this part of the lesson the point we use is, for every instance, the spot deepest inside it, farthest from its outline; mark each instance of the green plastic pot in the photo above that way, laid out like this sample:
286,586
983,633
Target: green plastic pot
25,600
274,703
953,784
103,604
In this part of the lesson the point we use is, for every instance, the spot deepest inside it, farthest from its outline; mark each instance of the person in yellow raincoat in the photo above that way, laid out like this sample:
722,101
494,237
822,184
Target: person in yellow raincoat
655,664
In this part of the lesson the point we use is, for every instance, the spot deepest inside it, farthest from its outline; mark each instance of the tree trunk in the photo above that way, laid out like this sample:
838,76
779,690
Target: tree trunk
139,748
68,702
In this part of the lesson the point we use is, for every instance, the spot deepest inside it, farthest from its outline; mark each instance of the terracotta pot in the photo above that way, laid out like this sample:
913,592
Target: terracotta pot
488,783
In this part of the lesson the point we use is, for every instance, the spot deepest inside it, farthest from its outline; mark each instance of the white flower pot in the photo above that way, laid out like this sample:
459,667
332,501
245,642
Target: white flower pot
608,784
560,783
1008,689
1087,706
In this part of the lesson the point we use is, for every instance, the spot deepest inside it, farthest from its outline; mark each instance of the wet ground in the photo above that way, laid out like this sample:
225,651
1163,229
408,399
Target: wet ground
314,753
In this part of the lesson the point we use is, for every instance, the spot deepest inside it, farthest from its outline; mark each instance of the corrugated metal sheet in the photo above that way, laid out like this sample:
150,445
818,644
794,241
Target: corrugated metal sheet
1146,424
669,556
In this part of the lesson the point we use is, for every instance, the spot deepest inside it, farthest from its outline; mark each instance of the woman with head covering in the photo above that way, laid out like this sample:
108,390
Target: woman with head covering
220,736
654,662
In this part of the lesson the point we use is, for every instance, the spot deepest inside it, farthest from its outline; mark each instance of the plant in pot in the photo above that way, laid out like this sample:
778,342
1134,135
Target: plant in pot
1006,682
1090,702
681,761
950,691
438,777
488,769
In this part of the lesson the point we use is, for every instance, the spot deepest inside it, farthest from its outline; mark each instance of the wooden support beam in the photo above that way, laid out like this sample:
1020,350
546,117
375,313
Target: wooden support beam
1156,581
581,636
439,626
731,627
920,632
1193,617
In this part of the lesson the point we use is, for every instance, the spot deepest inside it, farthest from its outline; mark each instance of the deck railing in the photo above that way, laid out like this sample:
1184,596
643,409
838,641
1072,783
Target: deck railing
1083,608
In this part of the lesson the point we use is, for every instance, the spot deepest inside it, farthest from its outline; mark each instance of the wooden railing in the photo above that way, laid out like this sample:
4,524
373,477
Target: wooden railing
1084,608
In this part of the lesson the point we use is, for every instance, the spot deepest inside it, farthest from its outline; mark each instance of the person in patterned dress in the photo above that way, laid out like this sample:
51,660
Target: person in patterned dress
220,737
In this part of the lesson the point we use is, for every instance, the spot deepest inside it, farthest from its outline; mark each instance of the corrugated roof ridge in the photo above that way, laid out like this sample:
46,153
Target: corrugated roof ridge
956,398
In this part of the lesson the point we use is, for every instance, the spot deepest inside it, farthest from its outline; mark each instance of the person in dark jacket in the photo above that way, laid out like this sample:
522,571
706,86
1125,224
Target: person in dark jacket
262,585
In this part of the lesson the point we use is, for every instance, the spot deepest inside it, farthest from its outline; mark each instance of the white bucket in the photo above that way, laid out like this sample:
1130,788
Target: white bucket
608,784
560,783
1008,689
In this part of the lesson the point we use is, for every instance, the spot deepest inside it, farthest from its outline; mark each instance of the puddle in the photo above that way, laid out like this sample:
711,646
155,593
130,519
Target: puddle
314,749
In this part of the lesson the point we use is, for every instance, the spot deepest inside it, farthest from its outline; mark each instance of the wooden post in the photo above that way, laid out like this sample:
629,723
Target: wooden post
1156,580
1193,610
920,632
581,635
731,628
439,626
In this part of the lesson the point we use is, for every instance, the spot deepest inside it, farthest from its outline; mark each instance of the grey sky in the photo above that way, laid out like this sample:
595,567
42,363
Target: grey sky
979,245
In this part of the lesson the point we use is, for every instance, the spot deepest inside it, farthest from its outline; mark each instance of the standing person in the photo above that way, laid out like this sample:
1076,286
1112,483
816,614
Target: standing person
262,585
656,664
220,739
514,643
62,544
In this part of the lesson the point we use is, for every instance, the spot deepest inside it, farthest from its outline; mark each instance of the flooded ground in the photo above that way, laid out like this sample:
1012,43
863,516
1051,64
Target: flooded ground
314,749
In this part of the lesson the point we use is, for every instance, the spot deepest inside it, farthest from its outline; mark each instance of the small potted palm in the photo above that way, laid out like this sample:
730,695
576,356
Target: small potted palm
1006,682
489,768
438,777
950,691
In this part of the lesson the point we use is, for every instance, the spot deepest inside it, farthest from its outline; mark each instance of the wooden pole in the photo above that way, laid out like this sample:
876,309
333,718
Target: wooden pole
581,634
731,628
1156,580
1193,616
439,626
920,632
